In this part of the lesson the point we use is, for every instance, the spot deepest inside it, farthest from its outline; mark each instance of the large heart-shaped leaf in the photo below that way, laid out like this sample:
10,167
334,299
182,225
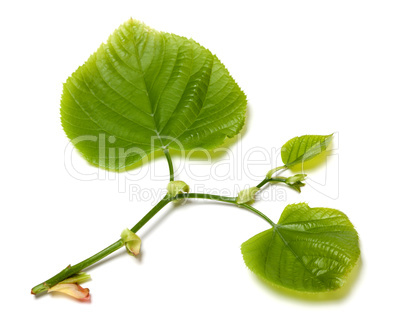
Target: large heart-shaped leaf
303,148
309,250
146,90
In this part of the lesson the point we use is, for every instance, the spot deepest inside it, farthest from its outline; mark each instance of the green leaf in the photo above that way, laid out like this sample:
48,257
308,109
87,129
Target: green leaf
303,148
145,90
309,250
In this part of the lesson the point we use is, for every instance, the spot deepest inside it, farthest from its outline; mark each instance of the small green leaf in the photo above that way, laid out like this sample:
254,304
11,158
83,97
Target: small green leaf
145,90
246,196
309,250
177,187
303,148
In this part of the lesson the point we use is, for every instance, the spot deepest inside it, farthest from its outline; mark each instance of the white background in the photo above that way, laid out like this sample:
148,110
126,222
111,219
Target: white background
307,67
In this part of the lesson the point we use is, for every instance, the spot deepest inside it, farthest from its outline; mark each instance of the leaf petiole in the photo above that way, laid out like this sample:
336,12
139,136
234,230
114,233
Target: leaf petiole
274,170
258,212
169,160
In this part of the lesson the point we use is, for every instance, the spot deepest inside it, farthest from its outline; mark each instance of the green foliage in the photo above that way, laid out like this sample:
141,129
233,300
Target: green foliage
145,90
303,148
309,250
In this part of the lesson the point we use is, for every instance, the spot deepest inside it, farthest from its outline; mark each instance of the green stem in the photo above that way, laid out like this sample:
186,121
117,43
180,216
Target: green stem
208,196
170,163
262,215
266,180
227,200
70,270
269,177
161,204
274,170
